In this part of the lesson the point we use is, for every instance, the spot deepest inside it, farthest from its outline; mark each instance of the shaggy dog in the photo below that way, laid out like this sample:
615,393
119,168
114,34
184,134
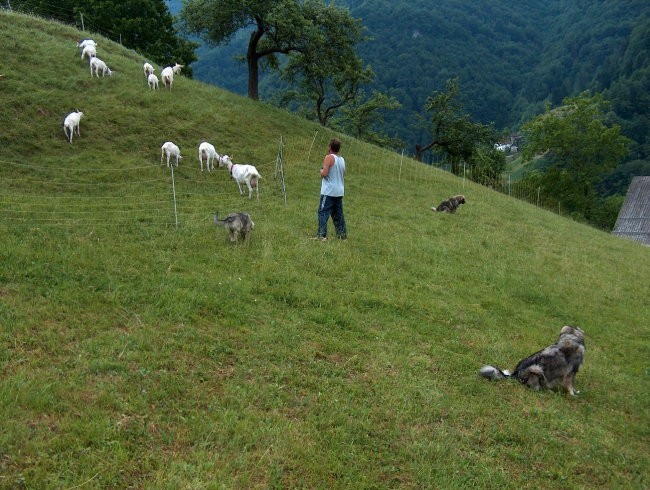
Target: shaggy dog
554,366
237,224
450,205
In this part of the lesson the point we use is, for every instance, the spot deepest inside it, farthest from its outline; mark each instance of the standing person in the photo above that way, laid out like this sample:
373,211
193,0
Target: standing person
331,192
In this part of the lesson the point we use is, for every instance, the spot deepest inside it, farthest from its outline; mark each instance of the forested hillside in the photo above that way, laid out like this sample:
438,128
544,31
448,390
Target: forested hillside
510,58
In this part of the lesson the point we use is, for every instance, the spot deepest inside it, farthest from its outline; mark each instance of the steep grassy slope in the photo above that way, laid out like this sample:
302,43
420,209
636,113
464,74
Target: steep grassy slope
138,353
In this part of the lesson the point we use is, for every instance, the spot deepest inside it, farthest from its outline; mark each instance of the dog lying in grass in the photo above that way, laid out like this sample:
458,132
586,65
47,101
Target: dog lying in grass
237,224
450,205
557,365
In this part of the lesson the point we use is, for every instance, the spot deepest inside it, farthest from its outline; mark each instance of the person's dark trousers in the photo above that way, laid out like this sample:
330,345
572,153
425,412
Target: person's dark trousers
331,206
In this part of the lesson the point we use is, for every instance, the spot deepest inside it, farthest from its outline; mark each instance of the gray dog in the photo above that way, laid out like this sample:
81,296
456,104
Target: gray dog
554,366
450,205
237,224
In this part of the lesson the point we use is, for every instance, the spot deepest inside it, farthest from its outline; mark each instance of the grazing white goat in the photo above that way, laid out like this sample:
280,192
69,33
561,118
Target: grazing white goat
71,122
86,42
207,151
168,73
89,51
152,80
167,76
148,70
171,150
243,174
97,65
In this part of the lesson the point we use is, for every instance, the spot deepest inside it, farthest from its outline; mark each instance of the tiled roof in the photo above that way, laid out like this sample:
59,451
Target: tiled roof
634,217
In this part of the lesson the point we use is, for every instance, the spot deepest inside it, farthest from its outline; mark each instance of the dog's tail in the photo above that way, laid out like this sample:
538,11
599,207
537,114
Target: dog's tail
494,373
433,208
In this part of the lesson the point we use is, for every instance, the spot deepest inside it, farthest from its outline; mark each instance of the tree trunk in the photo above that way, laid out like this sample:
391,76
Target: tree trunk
253,78
419,150
252,59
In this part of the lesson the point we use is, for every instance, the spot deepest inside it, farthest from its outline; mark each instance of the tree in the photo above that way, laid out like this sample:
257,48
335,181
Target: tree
327,91
326,71
277,27
363,119
579,147
453,131
488,165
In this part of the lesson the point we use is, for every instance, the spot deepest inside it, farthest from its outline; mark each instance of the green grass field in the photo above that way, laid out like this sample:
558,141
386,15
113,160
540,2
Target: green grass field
140,354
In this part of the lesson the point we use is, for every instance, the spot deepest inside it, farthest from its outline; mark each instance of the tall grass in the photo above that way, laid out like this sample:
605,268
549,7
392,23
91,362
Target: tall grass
136,353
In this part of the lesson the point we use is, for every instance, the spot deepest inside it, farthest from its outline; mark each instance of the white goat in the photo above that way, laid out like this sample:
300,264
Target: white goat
168,73
167,76
71,122
89,51
148,70
243,174
152,80
207,151
97,65
171,150
86,42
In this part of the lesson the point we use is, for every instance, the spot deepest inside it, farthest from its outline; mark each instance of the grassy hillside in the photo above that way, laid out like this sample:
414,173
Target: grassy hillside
138,353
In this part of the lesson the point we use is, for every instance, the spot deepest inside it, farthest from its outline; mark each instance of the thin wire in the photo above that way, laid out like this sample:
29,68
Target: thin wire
87,169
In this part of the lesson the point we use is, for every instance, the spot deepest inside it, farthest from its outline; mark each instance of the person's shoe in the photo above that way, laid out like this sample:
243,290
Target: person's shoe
319,238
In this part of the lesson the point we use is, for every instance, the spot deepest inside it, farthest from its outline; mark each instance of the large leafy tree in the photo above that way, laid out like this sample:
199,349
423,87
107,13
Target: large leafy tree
453,132
277,27
488,165
364,119
144,25
579,147
326,72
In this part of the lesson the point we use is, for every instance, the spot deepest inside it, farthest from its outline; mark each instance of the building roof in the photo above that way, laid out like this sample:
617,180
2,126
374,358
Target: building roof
633,220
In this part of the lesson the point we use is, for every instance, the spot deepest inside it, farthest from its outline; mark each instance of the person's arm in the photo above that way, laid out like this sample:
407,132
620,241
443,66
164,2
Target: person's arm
327,163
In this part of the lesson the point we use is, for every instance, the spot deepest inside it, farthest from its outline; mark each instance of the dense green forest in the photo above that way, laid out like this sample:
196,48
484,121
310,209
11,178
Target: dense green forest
511,58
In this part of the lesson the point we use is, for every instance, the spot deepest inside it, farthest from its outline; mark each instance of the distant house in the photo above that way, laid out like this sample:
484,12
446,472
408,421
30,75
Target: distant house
633,220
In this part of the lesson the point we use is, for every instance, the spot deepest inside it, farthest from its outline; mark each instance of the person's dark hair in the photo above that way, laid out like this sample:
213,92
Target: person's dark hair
335,145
